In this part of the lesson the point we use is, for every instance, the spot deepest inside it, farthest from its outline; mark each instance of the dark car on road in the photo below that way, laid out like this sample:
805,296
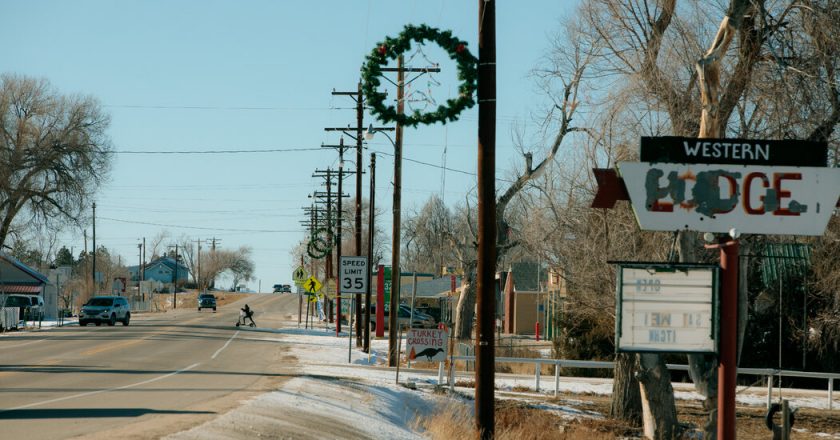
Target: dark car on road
206,301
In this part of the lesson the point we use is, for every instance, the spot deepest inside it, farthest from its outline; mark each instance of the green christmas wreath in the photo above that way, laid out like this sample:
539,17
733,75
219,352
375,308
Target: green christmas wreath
391,48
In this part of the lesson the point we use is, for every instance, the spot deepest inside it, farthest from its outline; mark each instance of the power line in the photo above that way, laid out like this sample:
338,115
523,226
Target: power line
268,150
201,228
216,107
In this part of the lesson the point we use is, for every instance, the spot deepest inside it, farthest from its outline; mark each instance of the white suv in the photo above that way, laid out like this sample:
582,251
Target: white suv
109,309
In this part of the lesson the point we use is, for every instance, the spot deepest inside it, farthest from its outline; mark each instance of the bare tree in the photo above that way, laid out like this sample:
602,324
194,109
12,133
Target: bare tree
569,73
54,153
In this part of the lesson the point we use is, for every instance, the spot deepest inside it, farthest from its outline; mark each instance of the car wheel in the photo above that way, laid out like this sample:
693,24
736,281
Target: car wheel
199,309
127,319
98,323
214,310
83,323
113,320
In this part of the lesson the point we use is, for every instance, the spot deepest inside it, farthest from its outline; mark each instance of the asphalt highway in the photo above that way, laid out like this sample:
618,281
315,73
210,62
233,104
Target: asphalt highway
163,373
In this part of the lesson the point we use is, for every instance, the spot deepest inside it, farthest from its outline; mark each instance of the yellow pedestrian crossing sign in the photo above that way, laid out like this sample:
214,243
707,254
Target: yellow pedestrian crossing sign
299,275
311,285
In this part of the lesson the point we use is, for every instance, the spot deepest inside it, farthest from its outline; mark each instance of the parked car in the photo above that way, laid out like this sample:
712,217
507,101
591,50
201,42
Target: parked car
206,301
421,320
31,306
282,288
107,309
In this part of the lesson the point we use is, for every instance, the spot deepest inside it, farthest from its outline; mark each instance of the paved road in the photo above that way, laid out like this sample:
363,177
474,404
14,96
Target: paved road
162,374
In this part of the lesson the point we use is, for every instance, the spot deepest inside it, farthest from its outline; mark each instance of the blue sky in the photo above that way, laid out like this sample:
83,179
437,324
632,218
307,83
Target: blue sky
250,75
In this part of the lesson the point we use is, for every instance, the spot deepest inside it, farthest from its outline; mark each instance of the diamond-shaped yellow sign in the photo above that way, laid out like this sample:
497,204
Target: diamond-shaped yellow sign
299,275
312,285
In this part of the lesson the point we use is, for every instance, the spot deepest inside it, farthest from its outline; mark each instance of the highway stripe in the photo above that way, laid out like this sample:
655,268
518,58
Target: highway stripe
225,346
21,345
91,393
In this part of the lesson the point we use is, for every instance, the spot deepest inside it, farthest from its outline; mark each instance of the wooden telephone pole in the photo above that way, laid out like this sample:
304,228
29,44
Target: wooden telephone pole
486,269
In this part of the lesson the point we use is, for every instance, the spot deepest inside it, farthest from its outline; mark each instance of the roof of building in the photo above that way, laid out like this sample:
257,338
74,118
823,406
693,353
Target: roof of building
37,277
430,288
525,276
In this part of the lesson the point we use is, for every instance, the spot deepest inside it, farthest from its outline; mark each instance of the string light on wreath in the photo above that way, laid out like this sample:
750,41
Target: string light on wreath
392,48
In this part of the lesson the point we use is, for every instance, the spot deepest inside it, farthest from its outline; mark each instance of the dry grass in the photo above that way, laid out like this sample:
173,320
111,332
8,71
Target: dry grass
516,421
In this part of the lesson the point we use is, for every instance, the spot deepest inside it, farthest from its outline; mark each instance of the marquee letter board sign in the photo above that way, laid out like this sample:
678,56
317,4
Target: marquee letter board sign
667,307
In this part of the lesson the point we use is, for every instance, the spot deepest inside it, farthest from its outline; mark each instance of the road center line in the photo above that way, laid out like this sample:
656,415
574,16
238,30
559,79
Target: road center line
225,346
20,345
90,393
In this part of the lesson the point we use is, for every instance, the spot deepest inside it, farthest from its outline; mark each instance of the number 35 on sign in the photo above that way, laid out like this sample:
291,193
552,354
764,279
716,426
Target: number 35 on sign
354,274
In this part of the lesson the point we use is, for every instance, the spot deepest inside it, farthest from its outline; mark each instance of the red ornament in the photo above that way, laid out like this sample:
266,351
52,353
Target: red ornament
460,48
383,49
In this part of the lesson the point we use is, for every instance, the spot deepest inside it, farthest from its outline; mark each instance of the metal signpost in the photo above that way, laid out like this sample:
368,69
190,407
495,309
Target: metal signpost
667,307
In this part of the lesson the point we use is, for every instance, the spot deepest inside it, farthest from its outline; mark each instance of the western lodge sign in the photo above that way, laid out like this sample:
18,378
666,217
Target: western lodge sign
713,185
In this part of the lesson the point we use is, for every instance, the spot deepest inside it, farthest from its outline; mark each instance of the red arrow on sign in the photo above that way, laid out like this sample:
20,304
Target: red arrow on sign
610,188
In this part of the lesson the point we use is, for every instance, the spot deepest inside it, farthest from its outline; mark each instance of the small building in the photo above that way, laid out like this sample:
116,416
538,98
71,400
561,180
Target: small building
16,277
161,269
531,294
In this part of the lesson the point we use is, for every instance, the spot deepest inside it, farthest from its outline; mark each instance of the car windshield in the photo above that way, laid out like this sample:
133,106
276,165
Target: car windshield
207,296
101,302
17,301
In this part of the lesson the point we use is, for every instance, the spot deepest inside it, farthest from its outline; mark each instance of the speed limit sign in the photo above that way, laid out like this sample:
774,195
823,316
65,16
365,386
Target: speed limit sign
354,274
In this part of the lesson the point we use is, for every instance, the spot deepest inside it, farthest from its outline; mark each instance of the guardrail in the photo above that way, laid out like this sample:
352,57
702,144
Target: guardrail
768,373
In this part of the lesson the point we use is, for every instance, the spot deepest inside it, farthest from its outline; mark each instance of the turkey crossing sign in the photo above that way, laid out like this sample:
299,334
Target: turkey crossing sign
426,344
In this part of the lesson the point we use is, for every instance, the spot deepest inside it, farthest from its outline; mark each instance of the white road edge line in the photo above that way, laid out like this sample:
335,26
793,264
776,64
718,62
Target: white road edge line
225,346
90,393
21,345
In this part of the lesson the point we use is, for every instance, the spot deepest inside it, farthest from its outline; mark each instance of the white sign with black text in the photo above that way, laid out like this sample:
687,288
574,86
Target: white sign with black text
667,308
354,274
426,344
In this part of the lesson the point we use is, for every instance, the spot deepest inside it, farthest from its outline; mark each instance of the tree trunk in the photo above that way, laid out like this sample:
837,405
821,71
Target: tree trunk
465,311
626,398
659,412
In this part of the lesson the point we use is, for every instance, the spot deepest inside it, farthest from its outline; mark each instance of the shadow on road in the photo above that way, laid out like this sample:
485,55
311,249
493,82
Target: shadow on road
87,413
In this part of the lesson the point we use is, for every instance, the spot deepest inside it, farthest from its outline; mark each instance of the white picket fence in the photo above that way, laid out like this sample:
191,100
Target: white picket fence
9,318
767,373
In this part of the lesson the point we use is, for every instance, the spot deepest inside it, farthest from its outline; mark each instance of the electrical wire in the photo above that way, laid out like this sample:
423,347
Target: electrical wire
271,150
271,231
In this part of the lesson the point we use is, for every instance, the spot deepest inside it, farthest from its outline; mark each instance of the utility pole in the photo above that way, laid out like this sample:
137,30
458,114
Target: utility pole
93,273
485,273
395,232
198,270
144,259
339,217
371,224
86,248
139,265
360,114
395,229
175,279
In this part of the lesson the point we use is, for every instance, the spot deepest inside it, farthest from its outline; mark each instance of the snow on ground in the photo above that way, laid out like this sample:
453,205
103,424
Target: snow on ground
337,397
